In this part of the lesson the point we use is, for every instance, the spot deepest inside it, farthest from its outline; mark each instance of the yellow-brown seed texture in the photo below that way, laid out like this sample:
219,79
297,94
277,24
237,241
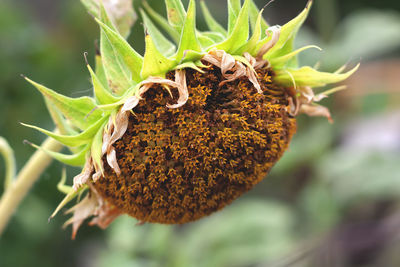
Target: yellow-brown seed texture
178,165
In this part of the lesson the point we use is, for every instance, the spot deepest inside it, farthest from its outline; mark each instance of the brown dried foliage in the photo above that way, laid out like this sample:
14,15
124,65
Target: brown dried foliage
178,165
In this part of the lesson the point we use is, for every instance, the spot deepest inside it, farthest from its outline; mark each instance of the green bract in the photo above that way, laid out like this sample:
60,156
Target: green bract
122,75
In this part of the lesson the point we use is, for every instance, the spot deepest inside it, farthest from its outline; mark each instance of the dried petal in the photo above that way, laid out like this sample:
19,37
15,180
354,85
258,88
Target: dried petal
130,103
120,126
276,32
84,176
294,106
227,63
81,211
316,111
112,160
180,79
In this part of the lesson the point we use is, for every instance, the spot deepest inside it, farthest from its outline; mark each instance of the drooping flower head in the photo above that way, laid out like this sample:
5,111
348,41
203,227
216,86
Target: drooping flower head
185,129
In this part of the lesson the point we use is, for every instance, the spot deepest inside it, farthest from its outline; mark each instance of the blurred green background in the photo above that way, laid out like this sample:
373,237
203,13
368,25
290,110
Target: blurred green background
333,200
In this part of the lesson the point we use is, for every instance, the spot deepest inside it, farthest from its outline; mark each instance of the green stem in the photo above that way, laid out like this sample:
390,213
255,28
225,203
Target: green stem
9,159
29,174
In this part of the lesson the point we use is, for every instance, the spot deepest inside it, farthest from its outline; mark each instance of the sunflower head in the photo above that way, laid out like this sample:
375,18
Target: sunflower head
185,129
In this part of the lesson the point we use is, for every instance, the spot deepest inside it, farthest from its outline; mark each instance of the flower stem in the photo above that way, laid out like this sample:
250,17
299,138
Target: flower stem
24,181
9,159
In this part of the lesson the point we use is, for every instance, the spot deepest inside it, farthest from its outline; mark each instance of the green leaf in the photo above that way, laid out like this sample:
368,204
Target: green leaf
72,140
233,14
240,32
102,95
77,159
286,40
154,64
80,111
188,37
176,14
162,43
307,76
253,12
130,57
212,24
280,62
174,34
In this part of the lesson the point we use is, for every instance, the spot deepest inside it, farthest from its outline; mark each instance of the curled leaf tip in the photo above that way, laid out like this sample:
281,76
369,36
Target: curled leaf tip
267,4
85,54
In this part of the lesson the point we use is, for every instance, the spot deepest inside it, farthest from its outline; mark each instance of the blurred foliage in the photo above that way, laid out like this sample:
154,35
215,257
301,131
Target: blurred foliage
333,200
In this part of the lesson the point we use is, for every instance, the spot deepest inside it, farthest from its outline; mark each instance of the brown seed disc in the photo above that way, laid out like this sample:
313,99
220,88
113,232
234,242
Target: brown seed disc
178,165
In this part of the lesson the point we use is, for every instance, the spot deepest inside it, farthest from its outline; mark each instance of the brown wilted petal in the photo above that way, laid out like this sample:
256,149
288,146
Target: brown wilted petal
84,176
120,126
130,103
97,176
105,213
307,95
319,97
294,106
253,79
316,111
276,32
112,160
81,211
180,79
227,63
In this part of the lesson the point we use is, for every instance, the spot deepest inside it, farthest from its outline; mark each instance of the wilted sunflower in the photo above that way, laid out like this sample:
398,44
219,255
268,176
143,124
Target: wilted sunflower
176,134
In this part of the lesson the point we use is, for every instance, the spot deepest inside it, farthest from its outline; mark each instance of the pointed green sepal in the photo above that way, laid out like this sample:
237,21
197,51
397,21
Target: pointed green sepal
307,76
59,120
280,62
176,14
233,14
80,111
212,24
77,159
154,64
240,32
253,13
100,73
162,43
204,40
160,20
190,65
70,195
72,140
251,44
102,95
96,148
61,186
286,39
130,57
215,36
188,39
117,73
